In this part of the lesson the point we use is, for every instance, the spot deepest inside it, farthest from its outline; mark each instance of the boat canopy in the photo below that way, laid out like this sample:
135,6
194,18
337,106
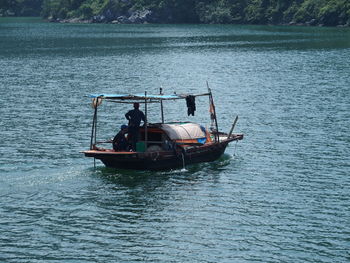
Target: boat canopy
142,97
184,131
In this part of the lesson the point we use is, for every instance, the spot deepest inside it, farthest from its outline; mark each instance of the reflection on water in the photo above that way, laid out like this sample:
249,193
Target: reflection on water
133,178
129,178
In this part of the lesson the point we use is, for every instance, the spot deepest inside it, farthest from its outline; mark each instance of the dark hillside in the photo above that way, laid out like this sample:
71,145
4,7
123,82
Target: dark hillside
303,12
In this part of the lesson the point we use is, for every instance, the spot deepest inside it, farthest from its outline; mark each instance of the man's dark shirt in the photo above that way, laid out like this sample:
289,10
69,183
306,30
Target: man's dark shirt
135,116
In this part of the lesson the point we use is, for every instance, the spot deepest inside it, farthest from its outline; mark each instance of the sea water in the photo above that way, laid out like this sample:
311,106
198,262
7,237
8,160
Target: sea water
280,195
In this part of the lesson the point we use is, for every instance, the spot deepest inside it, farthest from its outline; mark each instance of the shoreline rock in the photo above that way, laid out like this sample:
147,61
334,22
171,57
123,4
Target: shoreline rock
132,17
149,17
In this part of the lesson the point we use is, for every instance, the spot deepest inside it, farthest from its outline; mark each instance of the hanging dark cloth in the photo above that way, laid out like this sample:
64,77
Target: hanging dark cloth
191,105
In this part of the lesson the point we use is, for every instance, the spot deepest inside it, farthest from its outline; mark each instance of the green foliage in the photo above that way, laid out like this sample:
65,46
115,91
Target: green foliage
255,12
219,12
308,10
334,12
289,13
20,7
85,11
326,12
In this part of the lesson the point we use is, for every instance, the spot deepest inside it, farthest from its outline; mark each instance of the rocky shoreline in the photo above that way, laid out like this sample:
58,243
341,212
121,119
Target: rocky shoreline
142,20
148,16
135,17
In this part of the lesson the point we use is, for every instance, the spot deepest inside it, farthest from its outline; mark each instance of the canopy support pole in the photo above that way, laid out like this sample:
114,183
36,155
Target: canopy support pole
217,138
146,121
94,127
161,105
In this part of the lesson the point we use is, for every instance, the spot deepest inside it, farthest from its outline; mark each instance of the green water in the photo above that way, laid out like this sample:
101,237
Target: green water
280,195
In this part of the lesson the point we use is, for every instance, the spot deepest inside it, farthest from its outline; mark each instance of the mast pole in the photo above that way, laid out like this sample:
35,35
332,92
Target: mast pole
146,131
161,104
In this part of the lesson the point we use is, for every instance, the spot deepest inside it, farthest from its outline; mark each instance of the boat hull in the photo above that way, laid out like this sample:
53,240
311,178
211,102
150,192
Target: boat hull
161,160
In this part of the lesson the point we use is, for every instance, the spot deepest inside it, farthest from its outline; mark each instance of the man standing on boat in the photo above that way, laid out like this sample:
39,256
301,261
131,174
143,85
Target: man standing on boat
135,117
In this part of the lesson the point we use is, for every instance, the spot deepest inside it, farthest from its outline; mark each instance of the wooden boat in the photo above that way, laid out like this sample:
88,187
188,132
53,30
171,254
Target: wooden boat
162,145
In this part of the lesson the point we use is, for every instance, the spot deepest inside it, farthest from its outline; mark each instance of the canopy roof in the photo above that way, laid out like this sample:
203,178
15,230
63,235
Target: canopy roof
121,97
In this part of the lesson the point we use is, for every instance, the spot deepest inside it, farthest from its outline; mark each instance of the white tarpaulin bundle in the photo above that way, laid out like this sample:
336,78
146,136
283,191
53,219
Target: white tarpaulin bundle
184,131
